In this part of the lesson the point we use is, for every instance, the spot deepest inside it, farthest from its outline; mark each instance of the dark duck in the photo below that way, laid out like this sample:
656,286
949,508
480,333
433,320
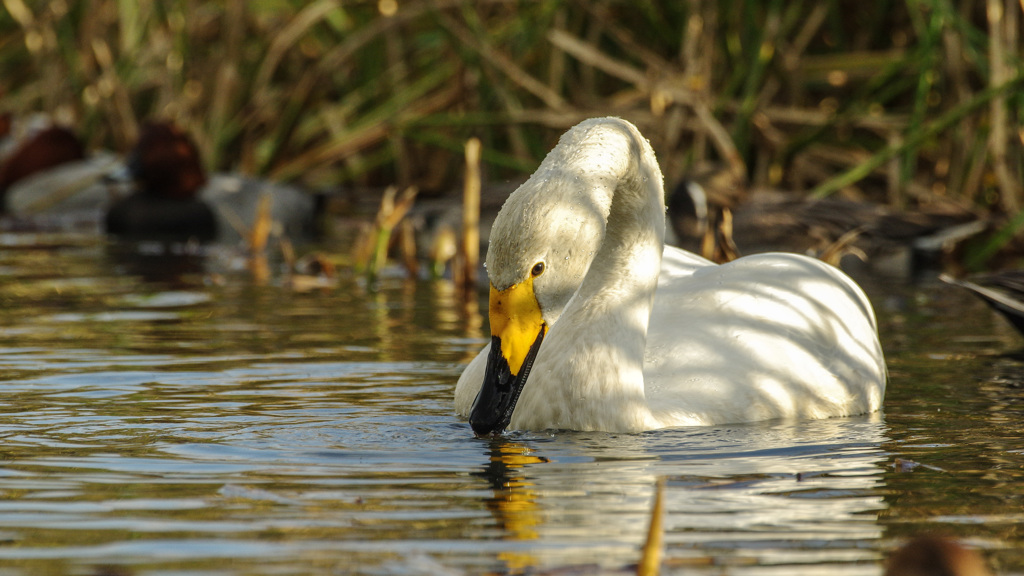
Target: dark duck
165,206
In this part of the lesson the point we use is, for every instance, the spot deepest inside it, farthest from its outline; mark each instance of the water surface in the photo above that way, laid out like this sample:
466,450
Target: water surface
176,416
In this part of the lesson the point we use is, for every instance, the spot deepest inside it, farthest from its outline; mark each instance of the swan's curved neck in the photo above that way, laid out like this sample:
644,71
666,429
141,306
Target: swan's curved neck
629,258
617,293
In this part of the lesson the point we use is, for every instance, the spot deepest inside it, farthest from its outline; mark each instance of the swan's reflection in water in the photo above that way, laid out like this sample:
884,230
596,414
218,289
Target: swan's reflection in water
514,503
762,496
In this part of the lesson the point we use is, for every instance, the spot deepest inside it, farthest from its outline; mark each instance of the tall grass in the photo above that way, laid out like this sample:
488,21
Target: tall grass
911,102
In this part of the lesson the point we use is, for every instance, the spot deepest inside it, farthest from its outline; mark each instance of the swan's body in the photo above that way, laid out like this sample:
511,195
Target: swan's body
624,334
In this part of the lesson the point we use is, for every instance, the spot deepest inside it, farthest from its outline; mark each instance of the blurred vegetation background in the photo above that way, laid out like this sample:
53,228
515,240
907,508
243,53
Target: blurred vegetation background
906,102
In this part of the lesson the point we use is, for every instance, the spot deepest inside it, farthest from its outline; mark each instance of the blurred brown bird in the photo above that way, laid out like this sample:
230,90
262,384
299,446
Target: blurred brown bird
935,556
46,149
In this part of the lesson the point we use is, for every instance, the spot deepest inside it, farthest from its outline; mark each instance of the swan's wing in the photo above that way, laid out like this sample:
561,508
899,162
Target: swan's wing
677,263
765,336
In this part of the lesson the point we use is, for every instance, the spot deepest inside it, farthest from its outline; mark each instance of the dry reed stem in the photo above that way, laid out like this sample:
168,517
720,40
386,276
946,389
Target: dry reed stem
671,91
287,38
654,546
501,62
1008,189
258,235
917,137
471,216
372,250
396,77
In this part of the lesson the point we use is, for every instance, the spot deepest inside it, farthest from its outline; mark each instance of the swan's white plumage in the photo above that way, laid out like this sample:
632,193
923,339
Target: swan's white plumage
644,336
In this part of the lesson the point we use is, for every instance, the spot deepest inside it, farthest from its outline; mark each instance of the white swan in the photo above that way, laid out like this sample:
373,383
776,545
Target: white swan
596,325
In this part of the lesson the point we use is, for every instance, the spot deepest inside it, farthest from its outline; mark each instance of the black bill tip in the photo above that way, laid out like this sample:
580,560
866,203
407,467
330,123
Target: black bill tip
492,410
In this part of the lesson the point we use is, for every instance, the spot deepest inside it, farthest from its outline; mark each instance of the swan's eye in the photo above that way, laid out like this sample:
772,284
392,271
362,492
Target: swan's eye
538,269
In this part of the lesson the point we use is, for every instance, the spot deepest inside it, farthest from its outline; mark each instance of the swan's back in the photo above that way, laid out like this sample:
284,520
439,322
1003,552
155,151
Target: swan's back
767,336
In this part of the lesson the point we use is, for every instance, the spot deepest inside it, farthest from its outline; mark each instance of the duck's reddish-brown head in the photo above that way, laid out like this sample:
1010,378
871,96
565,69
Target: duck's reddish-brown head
46,149
165,162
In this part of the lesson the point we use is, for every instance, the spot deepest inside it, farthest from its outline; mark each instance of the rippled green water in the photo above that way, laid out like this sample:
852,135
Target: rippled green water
160,418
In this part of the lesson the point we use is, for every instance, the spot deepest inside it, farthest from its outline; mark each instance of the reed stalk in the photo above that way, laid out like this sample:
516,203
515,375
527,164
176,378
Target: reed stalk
917,137
471,217
654,546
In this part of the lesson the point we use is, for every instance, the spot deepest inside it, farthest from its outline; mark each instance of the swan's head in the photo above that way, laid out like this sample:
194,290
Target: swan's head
542,244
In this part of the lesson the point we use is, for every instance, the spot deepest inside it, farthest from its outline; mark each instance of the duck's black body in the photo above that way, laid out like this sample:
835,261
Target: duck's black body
142,216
